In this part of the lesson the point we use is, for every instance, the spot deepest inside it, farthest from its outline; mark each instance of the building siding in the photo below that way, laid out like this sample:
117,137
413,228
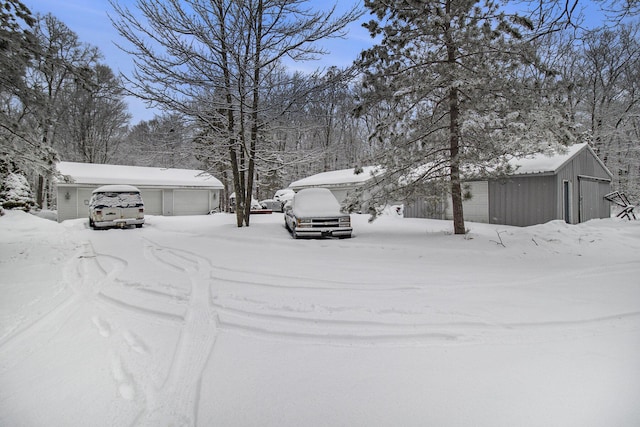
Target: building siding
522,201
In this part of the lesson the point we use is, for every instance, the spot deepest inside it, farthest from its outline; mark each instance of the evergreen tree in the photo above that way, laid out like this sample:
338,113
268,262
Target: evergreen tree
448,85
15,193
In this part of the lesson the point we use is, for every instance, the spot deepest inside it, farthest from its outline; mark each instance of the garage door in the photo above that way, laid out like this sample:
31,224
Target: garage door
191,202
152,201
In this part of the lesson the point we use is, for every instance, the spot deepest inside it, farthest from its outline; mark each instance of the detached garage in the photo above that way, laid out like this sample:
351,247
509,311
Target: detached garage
165,191
340,182
569,186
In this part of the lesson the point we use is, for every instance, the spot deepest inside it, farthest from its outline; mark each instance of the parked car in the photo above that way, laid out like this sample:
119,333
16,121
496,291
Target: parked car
271,204
315,212
283,196
116,206
255,205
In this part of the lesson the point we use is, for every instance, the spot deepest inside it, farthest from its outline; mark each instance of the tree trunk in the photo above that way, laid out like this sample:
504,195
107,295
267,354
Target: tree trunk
454,134
254,109
454,152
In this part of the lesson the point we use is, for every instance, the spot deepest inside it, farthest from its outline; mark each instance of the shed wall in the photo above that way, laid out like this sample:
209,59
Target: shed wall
587,201
522,201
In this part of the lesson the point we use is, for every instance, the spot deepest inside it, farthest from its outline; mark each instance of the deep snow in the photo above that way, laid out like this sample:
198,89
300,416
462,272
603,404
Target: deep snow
192,321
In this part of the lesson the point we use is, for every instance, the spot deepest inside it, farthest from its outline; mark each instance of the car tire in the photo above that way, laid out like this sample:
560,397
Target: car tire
138,225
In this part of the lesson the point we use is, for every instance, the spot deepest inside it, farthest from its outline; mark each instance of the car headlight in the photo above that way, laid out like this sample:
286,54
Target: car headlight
303,222
345,221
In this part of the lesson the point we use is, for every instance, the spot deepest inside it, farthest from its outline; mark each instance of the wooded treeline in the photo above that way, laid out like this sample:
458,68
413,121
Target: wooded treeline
449,86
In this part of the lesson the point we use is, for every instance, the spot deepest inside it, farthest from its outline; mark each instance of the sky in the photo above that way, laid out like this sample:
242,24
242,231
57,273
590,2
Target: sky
89,19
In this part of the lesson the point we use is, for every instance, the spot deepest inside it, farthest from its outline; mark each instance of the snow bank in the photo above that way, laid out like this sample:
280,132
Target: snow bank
193,321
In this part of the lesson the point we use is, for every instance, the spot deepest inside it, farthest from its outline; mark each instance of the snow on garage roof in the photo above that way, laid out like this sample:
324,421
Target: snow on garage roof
540,163
337,178
100,174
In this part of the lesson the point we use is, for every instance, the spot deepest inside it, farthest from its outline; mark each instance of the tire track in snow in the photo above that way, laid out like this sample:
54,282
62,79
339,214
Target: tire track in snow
371,333
80,273
176,401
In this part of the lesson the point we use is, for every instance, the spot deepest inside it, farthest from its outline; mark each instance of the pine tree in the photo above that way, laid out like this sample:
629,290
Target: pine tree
15,193
450,90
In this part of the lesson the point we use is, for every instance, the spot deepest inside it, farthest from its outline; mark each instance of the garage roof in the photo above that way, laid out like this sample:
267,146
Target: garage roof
344,177
552,162
100,174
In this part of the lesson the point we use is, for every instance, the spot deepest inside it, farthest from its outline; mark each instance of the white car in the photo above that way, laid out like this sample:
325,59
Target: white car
255,205
315,212
116,206
283,196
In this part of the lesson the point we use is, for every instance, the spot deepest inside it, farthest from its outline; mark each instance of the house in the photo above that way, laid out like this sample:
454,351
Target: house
567,186
164,191
340,182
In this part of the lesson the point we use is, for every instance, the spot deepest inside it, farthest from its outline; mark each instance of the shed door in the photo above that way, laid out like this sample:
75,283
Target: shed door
191,202
592,202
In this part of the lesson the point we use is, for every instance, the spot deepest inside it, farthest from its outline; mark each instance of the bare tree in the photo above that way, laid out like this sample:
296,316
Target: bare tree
611,73
96,119
59,62
211,60
164,141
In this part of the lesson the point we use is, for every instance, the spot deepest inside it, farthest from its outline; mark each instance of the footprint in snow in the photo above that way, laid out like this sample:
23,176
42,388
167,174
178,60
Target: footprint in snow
126,389
134,342
103,326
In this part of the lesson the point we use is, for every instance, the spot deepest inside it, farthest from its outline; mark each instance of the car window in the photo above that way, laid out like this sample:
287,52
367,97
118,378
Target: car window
116,200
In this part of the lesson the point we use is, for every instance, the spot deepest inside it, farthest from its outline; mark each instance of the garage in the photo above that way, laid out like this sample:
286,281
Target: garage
570,185
165,191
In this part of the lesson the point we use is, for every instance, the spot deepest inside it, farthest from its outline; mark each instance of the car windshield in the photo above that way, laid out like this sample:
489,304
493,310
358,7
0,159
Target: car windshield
316,202
116,200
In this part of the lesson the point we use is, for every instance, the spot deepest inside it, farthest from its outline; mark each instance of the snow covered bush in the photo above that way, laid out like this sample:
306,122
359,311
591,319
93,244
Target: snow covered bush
15,193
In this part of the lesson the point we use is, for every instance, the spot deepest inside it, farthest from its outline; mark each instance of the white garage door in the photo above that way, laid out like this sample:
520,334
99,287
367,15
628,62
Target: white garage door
191,202
152,201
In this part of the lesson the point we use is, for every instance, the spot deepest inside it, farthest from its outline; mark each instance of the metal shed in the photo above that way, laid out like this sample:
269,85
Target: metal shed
567,186
165,191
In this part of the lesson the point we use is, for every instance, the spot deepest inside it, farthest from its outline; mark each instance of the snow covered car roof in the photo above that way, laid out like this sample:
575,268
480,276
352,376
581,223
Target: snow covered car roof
116,188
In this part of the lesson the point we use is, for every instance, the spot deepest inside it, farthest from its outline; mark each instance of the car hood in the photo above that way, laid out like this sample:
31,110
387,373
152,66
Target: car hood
317,210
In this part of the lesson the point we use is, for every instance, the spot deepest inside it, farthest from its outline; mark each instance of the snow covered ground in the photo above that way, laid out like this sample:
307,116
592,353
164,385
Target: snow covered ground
192,321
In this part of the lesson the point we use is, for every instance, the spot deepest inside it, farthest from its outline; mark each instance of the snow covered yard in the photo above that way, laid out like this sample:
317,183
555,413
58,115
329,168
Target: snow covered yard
191,321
